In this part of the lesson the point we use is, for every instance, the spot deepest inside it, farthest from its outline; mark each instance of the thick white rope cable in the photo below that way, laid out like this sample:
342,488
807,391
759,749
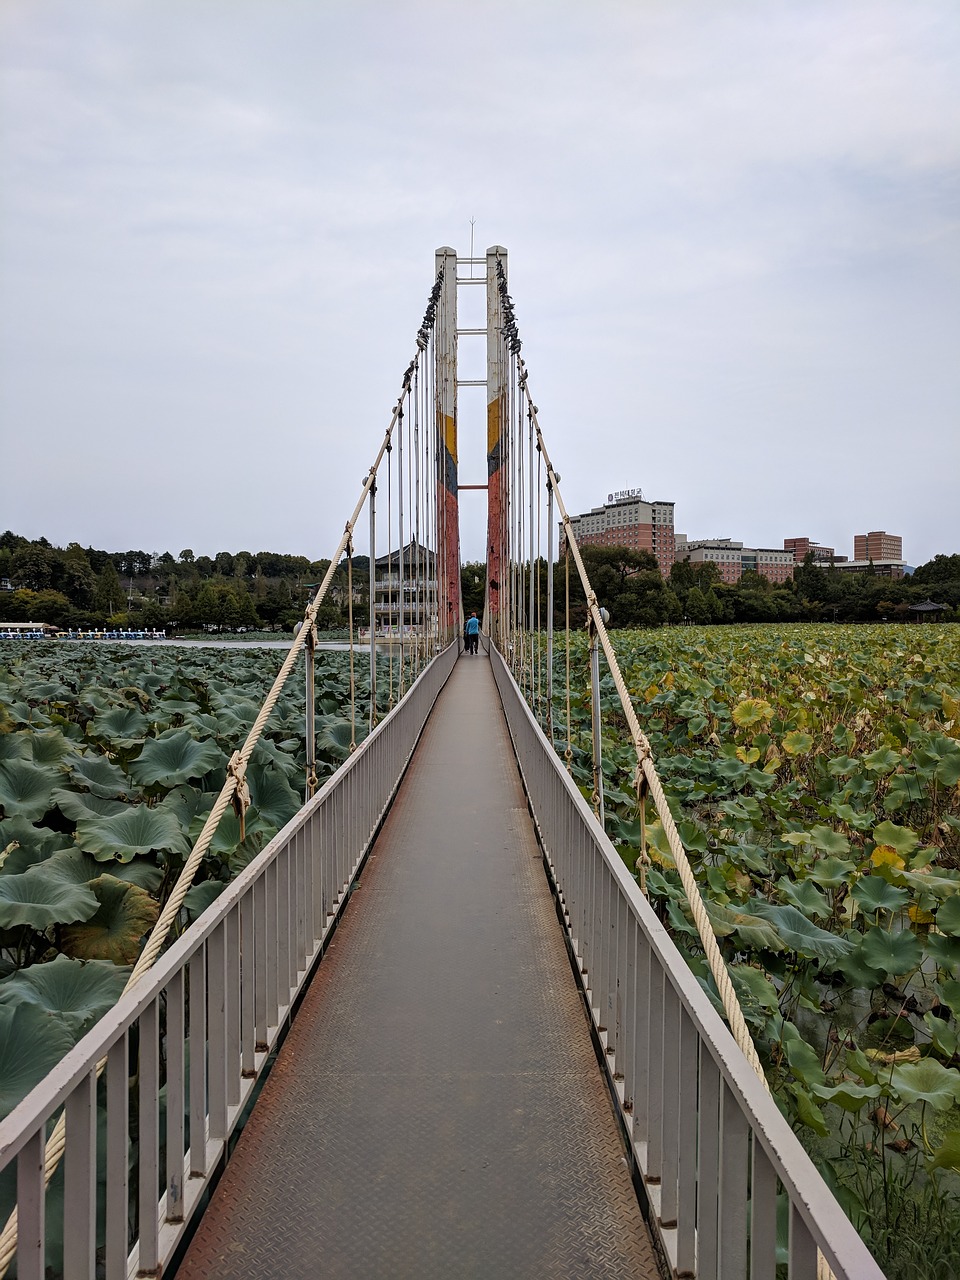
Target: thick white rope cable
646,767
234,791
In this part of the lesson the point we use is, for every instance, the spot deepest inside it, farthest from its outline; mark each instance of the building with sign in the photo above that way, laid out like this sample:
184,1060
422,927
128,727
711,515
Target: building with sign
627,519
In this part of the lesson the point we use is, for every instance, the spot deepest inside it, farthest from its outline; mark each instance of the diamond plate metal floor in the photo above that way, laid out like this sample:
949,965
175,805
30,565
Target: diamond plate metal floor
437,1109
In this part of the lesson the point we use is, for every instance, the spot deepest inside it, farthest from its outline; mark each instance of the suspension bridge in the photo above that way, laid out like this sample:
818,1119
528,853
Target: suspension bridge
434,1028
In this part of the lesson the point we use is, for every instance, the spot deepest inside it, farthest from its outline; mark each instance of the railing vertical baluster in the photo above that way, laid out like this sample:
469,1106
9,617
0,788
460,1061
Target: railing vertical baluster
629,1049
175,1055
655,1082
285,945
708,1168
687,1148
118,1159
302,901
248,984
31,1210
734,1136
670,1075
148,1137
217,1031
198,1062
309,904
803,1248
272,991
644,1050
260,975
310,710
231,929
80,1181
624,937
763,1217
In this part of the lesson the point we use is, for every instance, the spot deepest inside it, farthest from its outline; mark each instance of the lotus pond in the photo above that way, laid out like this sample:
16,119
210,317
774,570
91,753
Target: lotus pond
814,773
110,760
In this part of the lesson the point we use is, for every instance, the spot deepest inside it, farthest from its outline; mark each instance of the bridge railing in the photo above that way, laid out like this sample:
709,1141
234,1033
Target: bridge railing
714,1153
200,1026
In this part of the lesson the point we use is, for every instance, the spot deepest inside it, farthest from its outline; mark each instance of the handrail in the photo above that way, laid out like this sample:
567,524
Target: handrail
708,1141
218,1001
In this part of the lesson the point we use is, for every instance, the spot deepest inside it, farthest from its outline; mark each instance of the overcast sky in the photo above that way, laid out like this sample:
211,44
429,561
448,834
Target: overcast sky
733,229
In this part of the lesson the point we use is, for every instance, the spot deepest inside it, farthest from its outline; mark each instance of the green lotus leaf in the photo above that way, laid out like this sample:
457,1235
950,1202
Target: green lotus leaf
942,884
900,838
828,840
944,951
948,916
31,1044
34,898
77,805
140,829
173,758
750,928
883,761
199,897
77,867
808,1112
751,711
893,953
943,1037
78,992
947,1155
14,746
797,743
948,768
905,790
803,1059
752,984
802,935
859,819
33,844
927,1081
49,747
846,1094
873,893
275,799
26,788
334,735
120,725
857,971
831,872
805,896
101,777
125,913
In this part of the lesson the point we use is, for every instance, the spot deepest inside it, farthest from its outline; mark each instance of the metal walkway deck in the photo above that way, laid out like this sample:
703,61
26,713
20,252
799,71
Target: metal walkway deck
437,1108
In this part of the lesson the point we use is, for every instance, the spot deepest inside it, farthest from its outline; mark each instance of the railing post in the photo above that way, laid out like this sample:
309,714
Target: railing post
373,608
310,712
497,475
596,720
550,608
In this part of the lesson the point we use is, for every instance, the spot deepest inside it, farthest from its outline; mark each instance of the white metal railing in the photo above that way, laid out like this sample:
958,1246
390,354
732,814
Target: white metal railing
712,1149
202,1023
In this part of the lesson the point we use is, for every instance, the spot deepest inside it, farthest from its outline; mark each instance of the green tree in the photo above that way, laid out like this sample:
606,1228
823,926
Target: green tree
108,594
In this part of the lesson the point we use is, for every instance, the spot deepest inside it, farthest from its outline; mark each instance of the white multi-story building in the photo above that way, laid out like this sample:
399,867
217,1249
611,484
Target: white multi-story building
733,558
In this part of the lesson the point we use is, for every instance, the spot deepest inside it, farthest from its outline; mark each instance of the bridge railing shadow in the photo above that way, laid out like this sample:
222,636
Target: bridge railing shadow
199,1029
714,1156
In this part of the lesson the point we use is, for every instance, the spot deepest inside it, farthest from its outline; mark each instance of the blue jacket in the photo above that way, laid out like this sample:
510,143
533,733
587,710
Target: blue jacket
473,627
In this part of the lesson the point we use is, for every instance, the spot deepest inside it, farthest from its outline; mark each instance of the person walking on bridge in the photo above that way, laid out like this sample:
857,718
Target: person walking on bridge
472,633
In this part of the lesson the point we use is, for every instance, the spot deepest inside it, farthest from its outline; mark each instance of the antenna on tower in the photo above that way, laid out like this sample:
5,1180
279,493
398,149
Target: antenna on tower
472,221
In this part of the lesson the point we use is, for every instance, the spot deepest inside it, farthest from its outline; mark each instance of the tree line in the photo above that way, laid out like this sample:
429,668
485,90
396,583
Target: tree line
79,587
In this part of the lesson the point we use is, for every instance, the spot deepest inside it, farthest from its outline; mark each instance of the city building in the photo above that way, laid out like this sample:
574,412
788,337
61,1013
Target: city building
882,568
405,592
877,546
733,559
802,547
627,519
